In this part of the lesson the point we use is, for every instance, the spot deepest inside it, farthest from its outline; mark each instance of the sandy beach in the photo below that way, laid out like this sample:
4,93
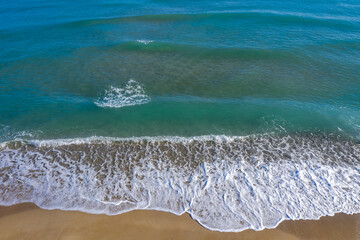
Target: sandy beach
27,221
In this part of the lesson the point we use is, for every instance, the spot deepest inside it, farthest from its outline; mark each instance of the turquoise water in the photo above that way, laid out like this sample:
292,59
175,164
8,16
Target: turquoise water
208,67
241,113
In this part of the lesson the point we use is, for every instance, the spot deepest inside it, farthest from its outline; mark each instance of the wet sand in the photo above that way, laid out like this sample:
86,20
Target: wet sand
26,221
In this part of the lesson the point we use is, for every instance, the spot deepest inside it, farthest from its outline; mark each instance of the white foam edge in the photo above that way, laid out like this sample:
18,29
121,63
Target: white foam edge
95,139
107,140
194,217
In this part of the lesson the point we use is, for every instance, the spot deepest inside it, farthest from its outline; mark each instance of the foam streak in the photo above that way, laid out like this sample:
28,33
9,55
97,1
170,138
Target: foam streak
225,183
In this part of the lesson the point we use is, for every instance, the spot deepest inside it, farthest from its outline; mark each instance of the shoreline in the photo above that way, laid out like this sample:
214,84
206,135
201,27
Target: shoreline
225,184
27,221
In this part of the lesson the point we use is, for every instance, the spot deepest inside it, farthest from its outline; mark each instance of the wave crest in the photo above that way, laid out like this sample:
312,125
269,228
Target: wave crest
132,94
146,42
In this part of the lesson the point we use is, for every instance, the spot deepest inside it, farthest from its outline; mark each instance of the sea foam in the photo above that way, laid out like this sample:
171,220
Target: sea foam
146,42
132,94
225,183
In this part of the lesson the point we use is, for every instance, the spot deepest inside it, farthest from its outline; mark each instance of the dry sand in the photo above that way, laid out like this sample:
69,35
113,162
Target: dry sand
26,221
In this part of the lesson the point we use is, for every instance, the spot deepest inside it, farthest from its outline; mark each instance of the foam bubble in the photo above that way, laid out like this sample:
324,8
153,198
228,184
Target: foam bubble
132,94
225,183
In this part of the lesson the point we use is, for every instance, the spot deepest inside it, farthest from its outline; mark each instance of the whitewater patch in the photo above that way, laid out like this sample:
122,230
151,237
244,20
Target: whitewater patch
132,94
225,183
8,133
146,42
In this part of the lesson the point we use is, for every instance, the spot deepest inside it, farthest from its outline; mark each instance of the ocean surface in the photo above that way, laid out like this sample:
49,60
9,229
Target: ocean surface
240,113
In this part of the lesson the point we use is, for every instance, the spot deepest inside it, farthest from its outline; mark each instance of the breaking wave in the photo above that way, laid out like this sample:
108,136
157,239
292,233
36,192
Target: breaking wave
8,133
132,94
146,42
225,183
